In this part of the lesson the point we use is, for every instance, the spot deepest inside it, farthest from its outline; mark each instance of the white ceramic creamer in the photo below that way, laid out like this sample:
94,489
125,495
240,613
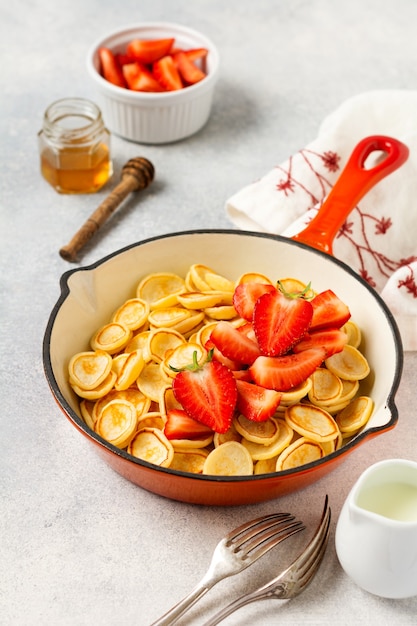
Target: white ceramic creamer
376,533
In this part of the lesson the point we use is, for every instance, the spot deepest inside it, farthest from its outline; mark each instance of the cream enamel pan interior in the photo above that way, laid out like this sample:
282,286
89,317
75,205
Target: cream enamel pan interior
89,296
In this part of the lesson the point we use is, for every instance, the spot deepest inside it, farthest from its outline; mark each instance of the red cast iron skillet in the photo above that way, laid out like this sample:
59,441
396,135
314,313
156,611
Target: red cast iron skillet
87,300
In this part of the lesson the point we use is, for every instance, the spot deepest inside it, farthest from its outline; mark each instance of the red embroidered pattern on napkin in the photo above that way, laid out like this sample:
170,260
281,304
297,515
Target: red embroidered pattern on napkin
361,231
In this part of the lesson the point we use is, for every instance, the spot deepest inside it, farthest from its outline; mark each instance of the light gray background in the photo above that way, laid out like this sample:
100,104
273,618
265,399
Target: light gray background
79,544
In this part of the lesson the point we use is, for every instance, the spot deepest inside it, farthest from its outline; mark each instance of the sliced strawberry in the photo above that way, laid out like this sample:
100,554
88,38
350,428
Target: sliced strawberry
208,393
282,373
256,403
189,72
139,78
218,356
328,310
180,425
110,68
245,296
332,340
194,54
124,59
243,374
247,330
149,50
147,82
280,322
233,344
166,73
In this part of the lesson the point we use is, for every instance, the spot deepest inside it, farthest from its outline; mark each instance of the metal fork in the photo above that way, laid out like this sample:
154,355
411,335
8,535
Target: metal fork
234,553
293,580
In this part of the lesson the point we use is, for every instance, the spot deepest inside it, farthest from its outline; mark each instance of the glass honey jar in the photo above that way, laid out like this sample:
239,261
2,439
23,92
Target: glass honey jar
74,147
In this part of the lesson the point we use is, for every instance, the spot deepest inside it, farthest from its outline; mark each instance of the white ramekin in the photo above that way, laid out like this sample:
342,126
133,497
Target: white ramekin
155,118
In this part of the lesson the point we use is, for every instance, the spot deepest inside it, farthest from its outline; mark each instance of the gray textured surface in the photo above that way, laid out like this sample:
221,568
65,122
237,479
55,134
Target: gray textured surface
79,544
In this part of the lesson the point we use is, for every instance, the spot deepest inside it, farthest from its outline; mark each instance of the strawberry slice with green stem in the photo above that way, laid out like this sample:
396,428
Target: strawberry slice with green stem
280,320
207,392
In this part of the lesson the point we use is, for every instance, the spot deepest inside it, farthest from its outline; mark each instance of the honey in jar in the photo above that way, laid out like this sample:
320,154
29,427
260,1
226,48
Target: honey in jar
74,147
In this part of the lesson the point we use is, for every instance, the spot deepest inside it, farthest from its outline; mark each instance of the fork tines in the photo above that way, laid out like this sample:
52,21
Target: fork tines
258,536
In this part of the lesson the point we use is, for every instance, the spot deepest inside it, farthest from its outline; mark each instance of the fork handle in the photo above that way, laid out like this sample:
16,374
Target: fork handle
183,605
259,594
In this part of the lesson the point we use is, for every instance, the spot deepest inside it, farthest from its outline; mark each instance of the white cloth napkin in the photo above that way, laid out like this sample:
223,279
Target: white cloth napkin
379,238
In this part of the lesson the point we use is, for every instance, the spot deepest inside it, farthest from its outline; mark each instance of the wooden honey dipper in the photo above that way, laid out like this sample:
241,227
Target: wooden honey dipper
136,174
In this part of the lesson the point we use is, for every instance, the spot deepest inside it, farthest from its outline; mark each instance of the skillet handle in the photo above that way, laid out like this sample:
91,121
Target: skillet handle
354,182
